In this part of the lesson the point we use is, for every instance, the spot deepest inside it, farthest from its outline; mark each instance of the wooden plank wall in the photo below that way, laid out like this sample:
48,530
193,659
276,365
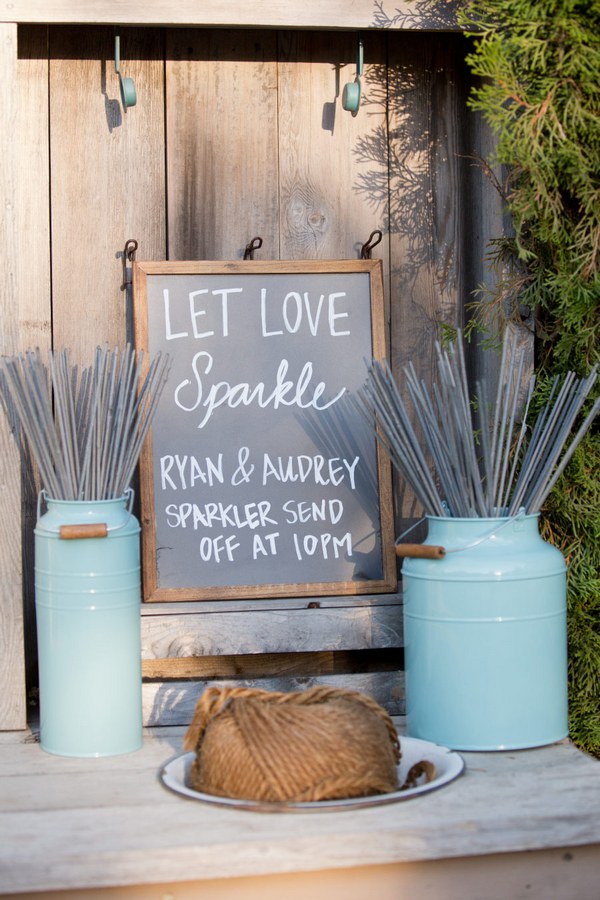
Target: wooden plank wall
427,108
12,698
108,178
237,134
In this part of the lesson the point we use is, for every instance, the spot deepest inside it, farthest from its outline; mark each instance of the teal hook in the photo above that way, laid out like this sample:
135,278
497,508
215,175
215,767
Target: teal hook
128,94
352,91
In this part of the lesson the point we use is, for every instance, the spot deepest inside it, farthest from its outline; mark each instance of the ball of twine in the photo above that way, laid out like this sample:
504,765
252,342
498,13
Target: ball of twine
320,744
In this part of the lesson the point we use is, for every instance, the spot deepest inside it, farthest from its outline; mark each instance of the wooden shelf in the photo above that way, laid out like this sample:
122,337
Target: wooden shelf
107,823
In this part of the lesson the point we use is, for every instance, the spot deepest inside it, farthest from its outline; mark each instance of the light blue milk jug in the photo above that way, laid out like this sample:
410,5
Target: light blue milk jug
486,637
87,597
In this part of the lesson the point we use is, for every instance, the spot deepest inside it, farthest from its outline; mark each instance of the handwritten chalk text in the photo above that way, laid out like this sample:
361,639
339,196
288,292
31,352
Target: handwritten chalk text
298,393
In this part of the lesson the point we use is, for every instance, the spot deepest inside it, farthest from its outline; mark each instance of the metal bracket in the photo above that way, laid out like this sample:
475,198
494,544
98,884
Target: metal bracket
255,244
128,256
367,247
351,95
126,85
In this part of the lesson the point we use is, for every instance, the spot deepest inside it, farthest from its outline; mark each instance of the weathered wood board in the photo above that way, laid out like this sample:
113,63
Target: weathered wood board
171,631
248,641
33,270
24,323
222,143
172,702
426,105
12,698
108,179
328,184
518,825
335,14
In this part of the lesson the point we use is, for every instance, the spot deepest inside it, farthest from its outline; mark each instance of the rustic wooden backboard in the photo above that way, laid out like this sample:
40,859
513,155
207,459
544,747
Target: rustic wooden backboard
236,133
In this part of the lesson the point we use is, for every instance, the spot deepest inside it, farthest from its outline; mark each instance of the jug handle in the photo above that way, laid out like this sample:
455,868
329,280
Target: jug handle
420,551
78,532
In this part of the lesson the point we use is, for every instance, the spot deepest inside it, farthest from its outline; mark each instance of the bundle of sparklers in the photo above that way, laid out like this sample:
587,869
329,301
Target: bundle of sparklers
85,426
465,458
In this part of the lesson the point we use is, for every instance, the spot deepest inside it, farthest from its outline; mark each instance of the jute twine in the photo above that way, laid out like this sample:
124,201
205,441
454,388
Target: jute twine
320,744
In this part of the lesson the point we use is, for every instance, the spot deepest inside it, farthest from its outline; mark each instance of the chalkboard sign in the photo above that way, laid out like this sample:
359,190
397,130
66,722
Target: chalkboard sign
260,478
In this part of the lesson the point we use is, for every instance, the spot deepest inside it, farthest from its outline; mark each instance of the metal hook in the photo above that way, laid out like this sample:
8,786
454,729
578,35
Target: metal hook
367,247
255,244
360,56
128,256
352,91
126,85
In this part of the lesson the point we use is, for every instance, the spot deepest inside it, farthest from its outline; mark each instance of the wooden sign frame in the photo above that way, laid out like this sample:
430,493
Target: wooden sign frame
151,278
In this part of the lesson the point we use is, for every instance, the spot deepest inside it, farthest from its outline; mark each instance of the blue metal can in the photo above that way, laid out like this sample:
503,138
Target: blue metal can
87,597
485,631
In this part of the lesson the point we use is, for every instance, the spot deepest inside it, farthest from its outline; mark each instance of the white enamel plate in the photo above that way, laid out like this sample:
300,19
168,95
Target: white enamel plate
448,766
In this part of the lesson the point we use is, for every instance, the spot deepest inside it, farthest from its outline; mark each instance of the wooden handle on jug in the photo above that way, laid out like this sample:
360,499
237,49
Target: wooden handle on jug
420,551
87,530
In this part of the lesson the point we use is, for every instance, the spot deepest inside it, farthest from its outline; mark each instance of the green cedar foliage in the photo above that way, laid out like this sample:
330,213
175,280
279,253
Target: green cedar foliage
539,65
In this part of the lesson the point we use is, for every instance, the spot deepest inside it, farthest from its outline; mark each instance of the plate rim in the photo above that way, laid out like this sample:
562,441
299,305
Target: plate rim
165,776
